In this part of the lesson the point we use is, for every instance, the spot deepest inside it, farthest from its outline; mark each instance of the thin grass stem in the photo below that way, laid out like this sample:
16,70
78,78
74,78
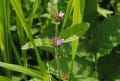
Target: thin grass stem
56,52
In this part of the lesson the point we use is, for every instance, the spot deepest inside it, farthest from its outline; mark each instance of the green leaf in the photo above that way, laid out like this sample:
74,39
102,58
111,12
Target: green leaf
18,68
104,12
74,48
35,79
16,78
83,48
83,69
90,13
106,35
109,67
3,78
78,29
70,39
40,42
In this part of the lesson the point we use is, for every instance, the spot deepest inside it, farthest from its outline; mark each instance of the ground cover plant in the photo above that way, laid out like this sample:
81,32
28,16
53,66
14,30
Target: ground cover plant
59,40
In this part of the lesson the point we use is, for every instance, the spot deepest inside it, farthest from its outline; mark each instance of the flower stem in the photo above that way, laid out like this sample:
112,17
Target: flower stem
56,53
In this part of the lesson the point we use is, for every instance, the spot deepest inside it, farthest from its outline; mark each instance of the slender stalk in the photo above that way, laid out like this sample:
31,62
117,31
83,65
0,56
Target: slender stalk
49,71
56,52
48,67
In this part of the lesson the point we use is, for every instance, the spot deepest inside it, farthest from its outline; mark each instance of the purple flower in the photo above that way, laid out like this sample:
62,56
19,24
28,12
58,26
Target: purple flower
57,41
58,16
60,42
61,14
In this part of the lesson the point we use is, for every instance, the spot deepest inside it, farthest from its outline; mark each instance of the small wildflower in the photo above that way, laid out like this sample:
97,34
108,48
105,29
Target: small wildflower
61,14
57,41
58,16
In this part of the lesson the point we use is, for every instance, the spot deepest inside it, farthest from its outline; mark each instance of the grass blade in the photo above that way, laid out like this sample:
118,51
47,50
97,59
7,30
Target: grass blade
19,13
18,68
4,20
34,9
78,9
67,14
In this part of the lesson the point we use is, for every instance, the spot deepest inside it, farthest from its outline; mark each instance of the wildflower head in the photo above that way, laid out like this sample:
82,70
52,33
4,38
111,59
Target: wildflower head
58,16
57,41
